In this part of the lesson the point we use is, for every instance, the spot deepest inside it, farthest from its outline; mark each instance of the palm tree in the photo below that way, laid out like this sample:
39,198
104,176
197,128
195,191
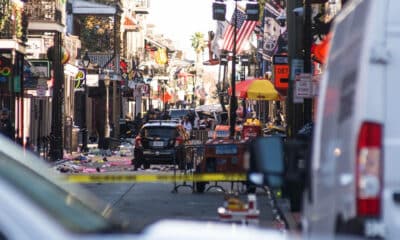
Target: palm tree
198,44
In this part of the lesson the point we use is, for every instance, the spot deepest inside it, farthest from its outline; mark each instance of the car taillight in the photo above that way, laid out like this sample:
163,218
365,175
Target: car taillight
138,142
369,170
178,141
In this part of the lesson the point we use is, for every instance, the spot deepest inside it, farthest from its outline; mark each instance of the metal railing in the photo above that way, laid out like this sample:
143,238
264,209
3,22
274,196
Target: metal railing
43,10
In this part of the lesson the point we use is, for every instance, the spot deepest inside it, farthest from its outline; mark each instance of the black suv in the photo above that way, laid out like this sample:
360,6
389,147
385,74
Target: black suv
160,142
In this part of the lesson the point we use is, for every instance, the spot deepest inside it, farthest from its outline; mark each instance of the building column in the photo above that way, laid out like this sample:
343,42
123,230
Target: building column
56,140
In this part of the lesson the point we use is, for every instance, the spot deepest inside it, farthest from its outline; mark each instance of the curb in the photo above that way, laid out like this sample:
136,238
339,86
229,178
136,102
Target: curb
289,217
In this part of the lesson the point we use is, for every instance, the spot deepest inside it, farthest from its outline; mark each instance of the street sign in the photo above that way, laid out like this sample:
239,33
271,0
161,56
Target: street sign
281,71
297,68
92,80
304,86
41,91
41,67
80,78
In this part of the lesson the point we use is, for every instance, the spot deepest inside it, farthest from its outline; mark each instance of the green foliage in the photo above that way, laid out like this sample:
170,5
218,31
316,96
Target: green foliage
96,33
198,42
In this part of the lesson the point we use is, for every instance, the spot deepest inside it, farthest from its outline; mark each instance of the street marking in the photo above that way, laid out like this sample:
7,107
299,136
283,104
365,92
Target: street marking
120,178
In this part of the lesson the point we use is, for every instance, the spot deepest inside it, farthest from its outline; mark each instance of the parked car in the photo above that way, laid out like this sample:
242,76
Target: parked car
36,204
160,142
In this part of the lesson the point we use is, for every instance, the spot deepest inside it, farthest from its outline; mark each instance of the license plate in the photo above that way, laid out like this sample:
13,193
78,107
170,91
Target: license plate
226,149
158,144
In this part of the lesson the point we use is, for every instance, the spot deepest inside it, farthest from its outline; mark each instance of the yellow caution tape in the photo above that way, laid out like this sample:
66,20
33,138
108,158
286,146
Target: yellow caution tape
121,178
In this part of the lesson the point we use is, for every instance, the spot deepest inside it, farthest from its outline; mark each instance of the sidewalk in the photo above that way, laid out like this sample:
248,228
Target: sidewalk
95,161
293,219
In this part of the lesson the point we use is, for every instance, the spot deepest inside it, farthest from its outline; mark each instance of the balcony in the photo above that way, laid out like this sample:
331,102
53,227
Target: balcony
44,15
12,25
141,6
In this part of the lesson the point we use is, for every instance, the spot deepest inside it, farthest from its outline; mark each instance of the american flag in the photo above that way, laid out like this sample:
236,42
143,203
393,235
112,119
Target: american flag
243,31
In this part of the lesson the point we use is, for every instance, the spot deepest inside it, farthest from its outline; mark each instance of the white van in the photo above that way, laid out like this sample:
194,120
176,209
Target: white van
355,168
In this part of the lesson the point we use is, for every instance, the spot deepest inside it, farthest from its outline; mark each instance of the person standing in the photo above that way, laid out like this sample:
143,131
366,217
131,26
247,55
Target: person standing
6,127
187,125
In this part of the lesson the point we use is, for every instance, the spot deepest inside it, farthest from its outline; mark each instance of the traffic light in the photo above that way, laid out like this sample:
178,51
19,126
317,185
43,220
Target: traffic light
252,11
219,11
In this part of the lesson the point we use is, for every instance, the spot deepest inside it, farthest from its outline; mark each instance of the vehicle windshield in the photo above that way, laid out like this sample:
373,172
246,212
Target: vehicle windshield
160,132
64,206
178,113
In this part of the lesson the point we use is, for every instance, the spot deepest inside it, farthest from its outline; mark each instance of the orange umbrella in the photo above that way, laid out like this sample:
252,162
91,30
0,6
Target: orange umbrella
255,89
320,51
166,97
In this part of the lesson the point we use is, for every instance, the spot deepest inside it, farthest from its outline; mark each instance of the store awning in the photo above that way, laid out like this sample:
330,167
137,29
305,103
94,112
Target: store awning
130,23
158,44
255,89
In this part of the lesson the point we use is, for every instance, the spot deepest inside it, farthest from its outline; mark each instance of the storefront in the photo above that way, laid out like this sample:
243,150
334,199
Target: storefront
11,85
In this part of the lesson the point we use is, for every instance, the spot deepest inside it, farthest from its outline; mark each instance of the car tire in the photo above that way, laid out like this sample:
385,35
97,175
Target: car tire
200,187
146,165
251,188
352,227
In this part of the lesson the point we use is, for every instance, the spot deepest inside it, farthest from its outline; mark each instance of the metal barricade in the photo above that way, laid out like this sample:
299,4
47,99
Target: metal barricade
193,156
200,135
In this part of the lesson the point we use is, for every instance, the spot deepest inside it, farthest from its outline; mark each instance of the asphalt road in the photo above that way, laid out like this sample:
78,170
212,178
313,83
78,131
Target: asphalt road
145,203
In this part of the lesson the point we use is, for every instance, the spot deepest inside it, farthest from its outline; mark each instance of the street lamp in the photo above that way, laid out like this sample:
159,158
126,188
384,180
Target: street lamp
193,71
252,14
85,62
233,100
107,84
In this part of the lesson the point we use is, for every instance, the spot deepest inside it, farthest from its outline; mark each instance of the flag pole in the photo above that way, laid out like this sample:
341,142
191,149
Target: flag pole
233,104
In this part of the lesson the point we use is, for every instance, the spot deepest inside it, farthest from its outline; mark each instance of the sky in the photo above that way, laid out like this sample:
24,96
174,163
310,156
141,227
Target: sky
178,20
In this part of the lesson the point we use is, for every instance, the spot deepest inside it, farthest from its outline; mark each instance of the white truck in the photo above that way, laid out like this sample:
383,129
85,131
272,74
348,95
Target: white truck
355,183
352,181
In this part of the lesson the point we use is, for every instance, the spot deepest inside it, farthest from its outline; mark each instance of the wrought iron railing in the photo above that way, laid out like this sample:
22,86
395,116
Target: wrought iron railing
43,10
141,3
13,22
7,32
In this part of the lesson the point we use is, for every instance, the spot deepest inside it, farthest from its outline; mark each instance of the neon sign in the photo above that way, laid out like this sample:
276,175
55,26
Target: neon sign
5,72
80,78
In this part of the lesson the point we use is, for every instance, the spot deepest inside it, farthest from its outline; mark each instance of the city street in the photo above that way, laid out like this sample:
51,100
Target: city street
279,114
145,203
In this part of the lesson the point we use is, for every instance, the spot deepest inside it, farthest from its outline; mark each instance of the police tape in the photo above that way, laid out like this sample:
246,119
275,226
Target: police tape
124,178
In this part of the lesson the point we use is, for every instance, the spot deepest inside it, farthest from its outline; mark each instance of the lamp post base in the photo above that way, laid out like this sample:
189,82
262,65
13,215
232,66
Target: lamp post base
84,141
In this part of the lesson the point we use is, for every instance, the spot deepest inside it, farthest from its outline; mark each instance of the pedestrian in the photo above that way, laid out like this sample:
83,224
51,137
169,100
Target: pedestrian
187,125
6,127
29,145
137,122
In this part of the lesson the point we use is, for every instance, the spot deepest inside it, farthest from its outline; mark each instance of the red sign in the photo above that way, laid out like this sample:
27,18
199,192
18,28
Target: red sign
281,72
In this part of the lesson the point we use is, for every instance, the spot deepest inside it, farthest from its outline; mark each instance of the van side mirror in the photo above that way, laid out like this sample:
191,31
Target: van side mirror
266,162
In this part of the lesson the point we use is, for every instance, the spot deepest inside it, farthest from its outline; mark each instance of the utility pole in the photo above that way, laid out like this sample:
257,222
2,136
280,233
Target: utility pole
307,57
56,141
295,50
233,104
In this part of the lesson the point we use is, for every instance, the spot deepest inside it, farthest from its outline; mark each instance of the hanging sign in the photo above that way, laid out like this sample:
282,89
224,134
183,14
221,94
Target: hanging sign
281,71
41,67
80,78
304,86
